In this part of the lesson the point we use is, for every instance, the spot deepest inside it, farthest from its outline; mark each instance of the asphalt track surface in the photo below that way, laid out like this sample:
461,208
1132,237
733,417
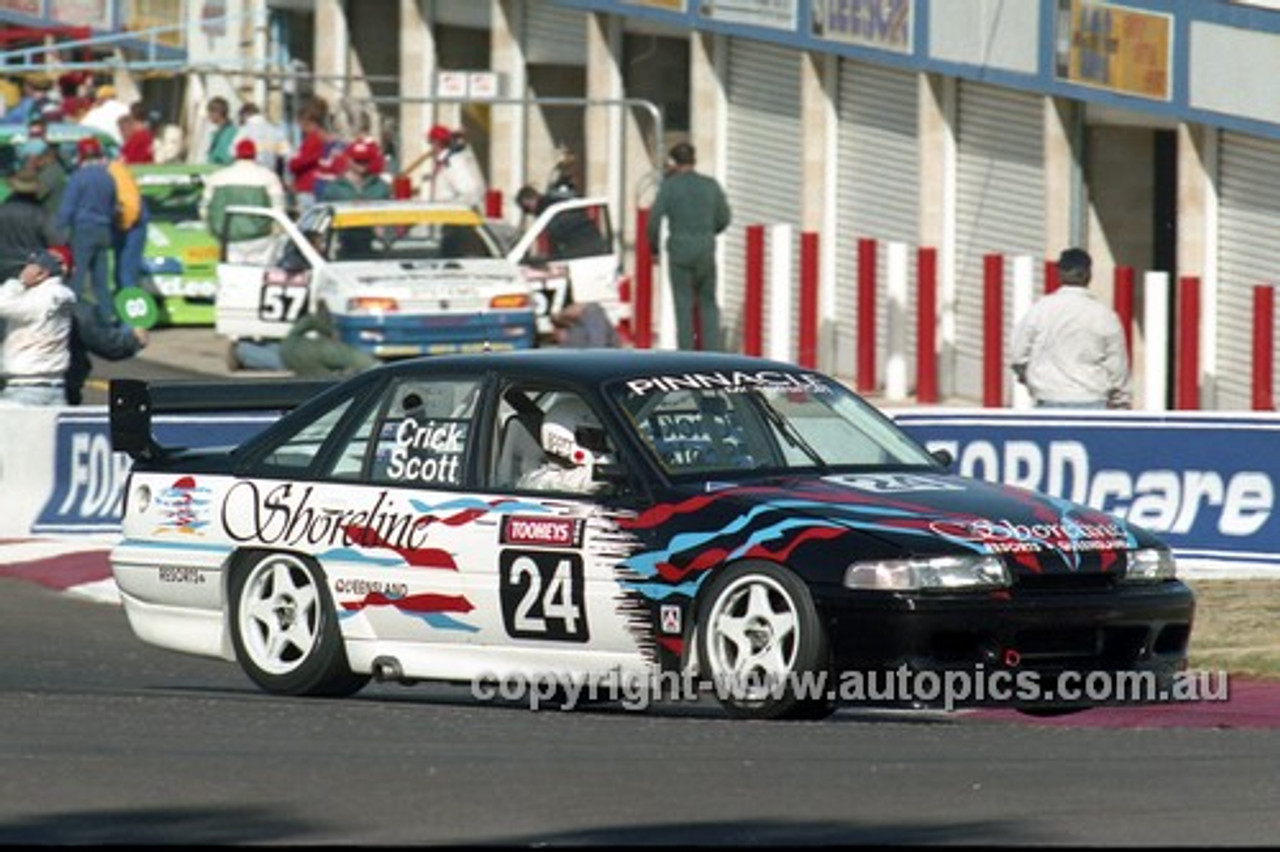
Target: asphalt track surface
108,740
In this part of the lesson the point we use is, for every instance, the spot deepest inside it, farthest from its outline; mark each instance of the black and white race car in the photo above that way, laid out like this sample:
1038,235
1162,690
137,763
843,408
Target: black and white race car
577,514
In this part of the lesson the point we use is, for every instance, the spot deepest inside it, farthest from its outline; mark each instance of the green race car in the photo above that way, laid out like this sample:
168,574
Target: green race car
181,256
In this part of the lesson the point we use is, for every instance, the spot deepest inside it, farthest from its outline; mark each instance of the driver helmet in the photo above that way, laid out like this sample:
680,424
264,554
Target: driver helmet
559,428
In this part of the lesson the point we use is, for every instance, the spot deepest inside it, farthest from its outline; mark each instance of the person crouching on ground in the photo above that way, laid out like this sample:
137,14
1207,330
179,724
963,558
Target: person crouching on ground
38,309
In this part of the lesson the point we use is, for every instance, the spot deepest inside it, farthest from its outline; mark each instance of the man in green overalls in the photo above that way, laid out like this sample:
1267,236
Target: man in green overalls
696,210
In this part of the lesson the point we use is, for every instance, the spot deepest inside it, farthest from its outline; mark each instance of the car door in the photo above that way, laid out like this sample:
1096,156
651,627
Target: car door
261,294
575,235
403,545
558,569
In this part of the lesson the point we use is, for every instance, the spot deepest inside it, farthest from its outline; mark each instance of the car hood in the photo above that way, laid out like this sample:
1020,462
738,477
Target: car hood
827,522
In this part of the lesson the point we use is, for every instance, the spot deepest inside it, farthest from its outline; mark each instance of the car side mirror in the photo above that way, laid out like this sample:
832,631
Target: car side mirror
943,457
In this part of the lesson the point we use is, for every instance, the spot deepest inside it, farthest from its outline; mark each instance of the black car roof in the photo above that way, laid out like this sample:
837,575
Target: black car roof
590,366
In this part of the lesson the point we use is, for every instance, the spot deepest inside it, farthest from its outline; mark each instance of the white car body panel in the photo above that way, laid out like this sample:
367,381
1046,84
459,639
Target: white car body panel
442,616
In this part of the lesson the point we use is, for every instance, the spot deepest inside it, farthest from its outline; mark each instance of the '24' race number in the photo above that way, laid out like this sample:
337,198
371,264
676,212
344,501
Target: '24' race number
543,595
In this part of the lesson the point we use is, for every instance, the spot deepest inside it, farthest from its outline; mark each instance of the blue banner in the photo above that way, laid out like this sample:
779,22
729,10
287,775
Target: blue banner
88,479
1203,482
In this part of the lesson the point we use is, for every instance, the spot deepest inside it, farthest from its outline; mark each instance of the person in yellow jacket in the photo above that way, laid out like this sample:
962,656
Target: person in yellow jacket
129,232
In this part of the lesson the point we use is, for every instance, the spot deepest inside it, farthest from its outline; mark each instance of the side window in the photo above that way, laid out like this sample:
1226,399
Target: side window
350,463
549,440
424,434
298,451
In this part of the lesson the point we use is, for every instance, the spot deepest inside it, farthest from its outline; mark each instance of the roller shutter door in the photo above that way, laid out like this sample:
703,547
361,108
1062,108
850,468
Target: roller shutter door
1248,255
554,36
463,13
763,168
1000,208
877,196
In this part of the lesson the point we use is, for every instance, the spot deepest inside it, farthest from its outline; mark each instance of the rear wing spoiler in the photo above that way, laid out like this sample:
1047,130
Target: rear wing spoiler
132,402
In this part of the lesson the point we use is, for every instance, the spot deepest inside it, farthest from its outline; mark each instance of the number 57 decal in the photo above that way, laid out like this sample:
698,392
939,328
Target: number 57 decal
543,595
282,302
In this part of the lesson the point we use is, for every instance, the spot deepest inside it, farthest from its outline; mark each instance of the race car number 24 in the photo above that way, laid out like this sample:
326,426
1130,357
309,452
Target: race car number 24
543,595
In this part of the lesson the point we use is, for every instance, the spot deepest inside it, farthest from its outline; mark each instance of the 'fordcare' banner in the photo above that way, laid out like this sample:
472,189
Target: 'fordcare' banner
88,477
1204,482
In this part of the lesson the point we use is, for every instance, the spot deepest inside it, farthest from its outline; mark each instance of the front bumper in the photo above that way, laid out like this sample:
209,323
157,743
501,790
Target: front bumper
407,336
1052,635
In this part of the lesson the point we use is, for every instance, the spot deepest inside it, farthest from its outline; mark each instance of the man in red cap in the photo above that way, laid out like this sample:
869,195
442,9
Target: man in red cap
357,184
247,183
85,219
455,175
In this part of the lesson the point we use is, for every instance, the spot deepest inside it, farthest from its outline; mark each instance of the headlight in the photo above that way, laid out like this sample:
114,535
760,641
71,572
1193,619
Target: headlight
1150,565
937,572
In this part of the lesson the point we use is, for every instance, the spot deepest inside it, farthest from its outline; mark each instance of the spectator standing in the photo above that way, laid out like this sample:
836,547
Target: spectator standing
129,233
87,215
246,182
139,140
222,133
104,115
75,101
43,158
25,227
37,308
35,95
455,175
364,135
357,184
1069,349
305,165
267,138
696,211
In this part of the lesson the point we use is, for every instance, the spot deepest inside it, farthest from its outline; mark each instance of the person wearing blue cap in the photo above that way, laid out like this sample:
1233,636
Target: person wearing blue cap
1069,349
37,308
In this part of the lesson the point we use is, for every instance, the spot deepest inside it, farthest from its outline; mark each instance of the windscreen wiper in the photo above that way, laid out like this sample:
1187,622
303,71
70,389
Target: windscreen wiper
788,431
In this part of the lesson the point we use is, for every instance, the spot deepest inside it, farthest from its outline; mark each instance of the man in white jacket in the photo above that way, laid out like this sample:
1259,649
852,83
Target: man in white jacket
37,307
243,183
1069,349
454,175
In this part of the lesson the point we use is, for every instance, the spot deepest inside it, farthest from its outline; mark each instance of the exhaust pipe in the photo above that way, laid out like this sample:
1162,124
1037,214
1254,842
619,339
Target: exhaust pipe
387,669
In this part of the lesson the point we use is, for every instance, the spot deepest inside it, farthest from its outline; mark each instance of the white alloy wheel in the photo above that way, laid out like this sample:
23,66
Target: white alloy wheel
752,635
279,615
284,628
761,642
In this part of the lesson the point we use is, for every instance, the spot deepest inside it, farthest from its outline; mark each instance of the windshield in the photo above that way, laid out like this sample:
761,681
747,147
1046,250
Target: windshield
728,423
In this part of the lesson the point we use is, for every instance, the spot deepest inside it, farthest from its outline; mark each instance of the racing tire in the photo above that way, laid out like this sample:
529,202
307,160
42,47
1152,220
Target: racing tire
285,630
759,638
